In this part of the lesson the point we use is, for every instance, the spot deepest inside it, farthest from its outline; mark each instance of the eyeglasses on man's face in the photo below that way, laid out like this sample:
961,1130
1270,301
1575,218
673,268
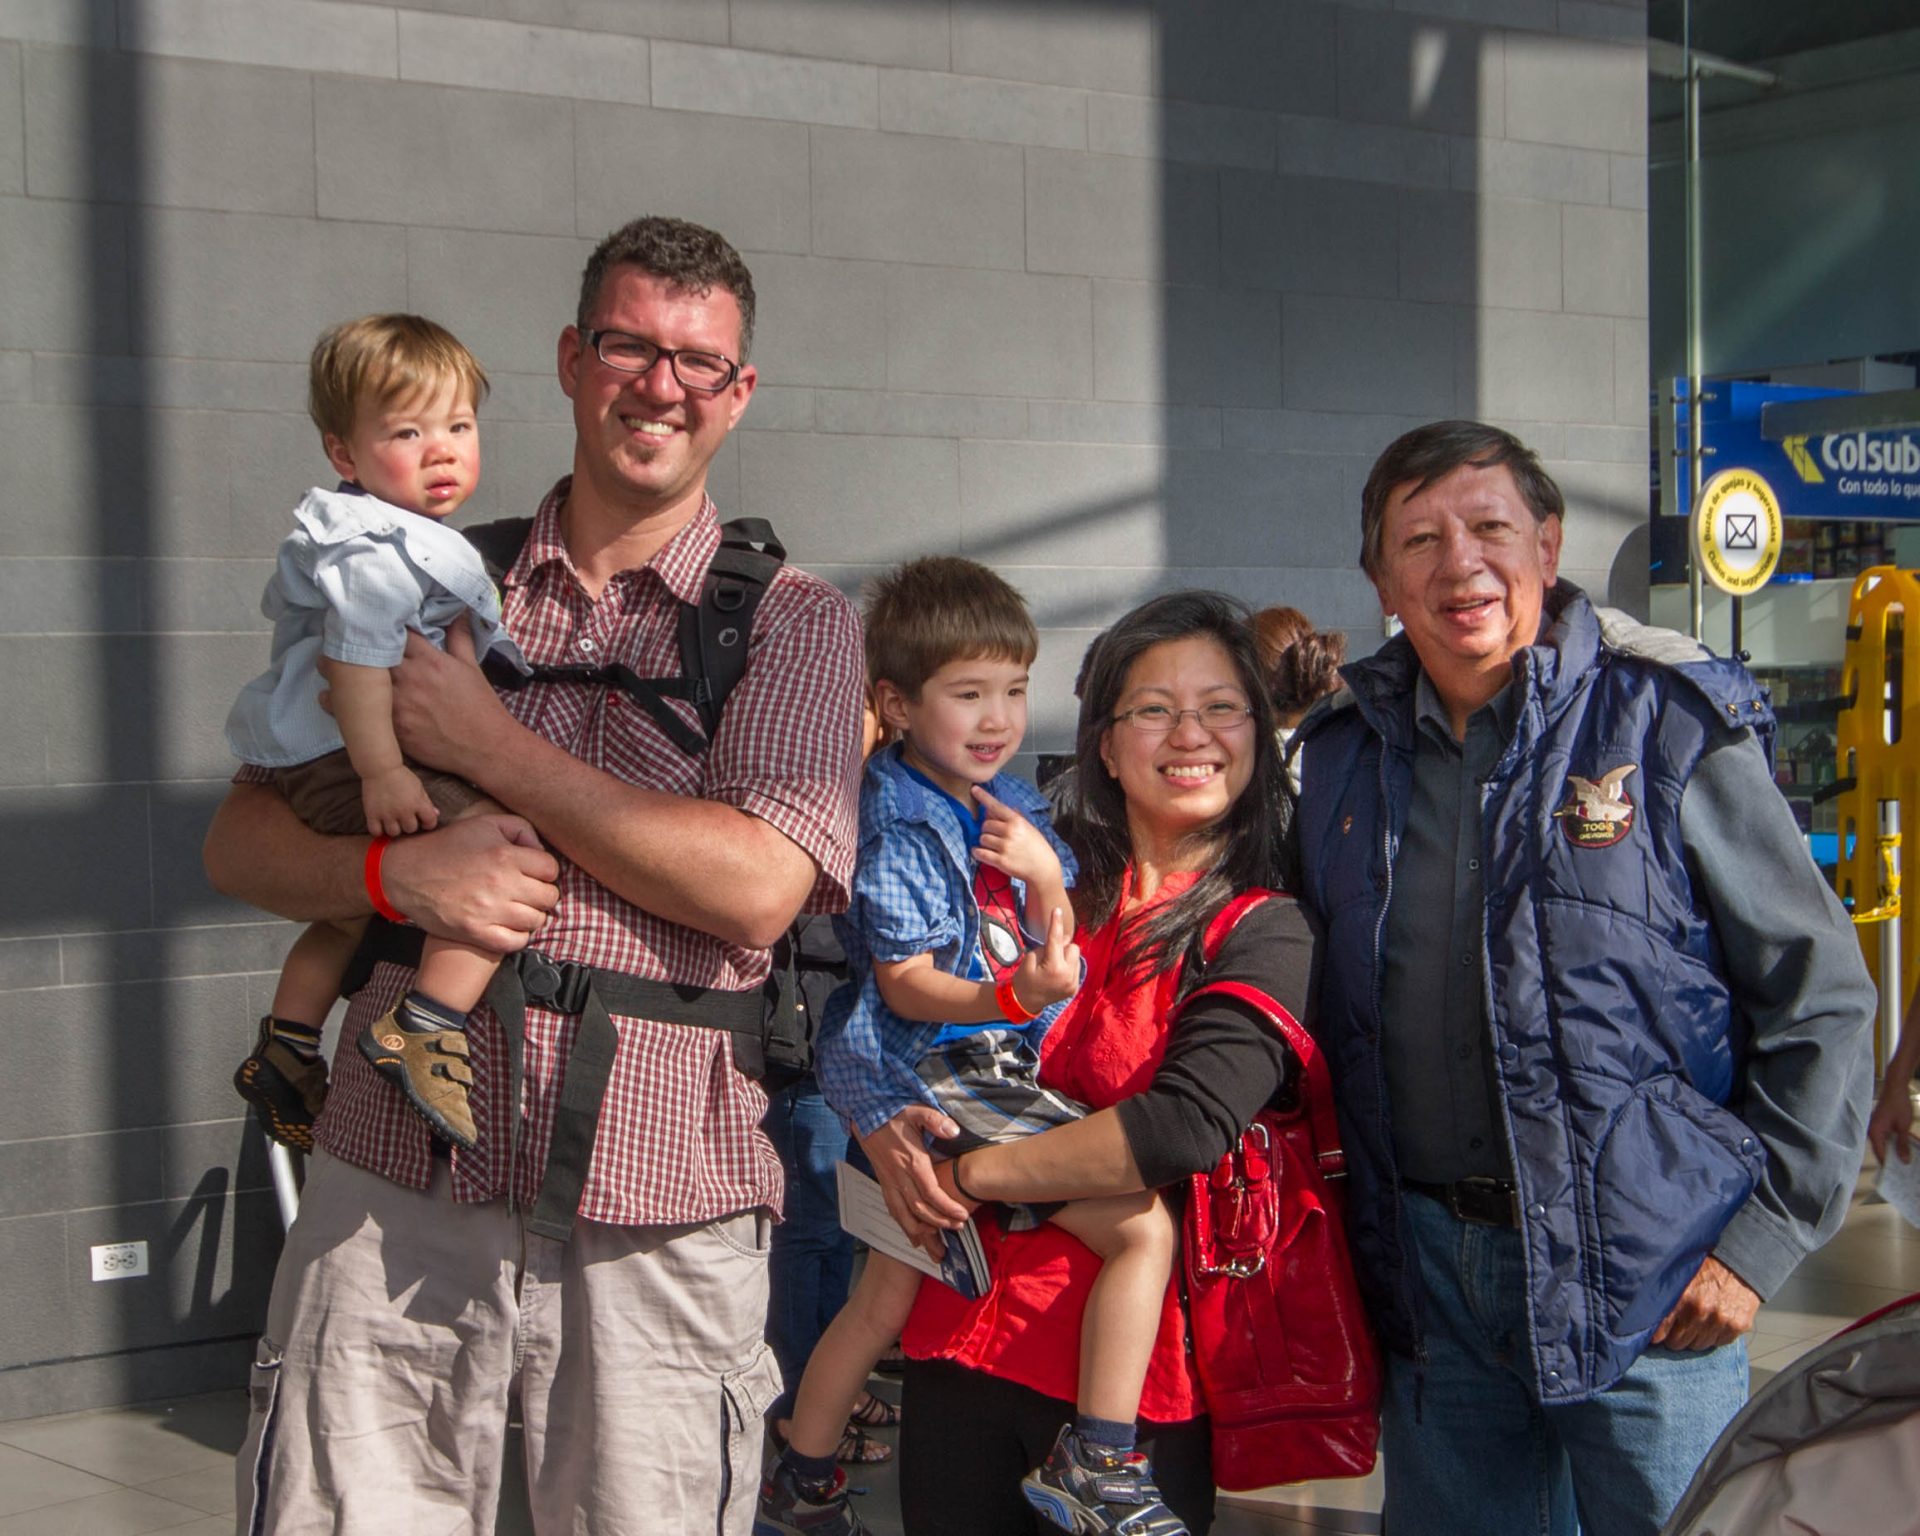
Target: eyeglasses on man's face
705,373
1159,719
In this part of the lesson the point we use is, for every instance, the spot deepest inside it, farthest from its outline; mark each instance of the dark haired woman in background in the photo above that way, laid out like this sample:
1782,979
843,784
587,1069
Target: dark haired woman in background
1302,665
1175,789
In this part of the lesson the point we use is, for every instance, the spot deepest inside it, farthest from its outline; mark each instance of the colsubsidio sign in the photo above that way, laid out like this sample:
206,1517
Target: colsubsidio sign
1861,454
1844,474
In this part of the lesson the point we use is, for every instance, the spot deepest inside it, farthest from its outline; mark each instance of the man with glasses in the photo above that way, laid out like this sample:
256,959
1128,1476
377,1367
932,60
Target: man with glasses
1597,1024
421,1290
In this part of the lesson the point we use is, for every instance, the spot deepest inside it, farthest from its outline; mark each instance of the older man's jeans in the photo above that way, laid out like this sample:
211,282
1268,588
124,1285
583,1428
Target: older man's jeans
811,1260
1468,1452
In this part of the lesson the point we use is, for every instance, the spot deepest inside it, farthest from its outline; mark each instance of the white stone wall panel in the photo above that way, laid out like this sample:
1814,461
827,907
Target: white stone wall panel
695,78
429,154
901,197
984,333
509,56
746,177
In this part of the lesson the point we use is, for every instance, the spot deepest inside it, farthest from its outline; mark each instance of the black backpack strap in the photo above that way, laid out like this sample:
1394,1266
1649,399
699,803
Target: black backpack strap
532,979
714,634
499,543
650,693
576,1111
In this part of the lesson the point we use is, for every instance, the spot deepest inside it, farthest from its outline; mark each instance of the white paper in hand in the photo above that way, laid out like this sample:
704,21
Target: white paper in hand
1899,1182
864,1213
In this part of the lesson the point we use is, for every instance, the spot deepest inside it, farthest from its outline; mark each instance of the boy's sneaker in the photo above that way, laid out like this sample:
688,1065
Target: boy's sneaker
1092,1491
786,1511
430,1067
286,1088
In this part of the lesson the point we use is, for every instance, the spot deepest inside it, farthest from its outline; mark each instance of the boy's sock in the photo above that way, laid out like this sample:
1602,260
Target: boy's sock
1110,1435
302,1039
813,1474
419,1014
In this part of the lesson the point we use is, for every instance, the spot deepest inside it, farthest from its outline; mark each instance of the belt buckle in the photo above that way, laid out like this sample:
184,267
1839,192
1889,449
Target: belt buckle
1485,1202
559,985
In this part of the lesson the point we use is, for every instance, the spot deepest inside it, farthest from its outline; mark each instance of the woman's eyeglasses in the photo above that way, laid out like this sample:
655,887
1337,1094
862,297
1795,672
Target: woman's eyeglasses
1159,719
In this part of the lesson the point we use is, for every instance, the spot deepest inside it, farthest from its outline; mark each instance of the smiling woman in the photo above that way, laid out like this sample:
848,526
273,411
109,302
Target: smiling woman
1173,816
1180,748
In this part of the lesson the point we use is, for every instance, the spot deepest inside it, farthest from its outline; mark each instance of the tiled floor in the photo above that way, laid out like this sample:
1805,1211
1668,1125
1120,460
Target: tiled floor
169,1466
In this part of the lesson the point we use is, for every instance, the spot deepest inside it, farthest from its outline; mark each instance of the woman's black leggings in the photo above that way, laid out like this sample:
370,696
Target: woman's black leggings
967,1438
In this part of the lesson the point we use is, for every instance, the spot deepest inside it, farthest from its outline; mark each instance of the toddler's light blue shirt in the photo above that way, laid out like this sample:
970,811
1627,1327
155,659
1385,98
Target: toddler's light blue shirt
352,578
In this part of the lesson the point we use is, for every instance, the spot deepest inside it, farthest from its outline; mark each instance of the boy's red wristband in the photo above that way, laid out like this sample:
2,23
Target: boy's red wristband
1011,1008
376,893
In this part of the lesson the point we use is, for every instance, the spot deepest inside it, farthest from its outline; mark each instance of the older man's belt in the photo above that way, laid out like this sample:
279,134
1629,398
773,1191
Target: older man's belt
531,979
1484,1202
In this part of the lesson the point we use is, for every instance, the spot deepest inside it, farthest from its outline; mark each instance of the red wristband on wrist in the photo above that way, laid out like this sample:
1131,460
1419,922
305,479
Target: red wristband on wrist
1011,1008
376,893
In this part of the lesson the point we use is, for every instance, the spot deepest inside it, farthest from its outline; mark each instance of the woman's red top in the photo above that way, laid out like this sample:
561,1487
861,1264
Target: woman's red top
1105,1047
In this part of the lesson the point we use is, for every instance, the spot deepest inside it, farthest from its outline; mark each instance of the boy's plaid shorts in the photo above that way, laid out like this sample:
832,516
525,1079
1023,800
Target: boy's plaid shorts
988,1084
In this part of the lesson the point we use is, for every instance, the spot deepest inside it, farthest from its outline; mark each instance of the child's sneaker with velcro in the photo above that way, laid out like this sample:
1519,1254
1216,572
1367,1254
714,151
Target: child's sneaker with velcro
431,1066
286,1086
1093,1491
786,1509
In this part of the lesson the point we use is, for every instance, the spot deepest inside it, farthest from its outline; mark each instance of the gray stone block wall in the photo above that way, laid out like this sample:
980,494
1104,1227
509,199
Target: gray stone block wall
1119,295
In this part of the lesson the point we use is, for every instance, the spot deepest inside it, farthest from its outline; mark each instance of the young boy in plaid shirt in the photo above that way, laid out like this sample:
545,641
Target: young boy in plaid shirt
959,940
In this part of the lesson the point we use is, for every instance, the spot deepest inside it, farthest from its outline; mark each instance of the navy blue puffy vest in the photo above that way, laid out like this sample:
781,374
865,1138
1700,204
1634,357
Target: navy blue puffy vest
1616,1041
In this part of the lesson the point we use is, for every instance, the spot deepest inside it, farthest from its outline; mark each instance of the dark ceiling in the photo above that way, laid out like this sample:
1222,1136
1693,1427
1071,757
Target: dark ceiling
1753,30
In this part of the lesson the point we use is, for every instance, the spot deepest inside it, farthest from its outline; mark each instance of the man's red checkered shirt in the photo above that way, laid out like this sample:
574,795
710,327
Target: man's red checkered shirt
679,1137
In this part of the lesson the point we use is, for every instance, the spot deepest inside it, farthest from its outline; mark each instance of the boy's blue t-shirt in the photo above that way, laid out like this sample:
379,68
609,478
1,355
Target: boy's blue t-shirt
969,819
912,895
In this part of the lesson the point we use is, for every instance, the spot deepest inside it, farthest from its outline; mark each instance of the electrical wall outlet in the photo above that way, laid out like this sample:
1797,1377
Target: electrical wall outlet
119,1261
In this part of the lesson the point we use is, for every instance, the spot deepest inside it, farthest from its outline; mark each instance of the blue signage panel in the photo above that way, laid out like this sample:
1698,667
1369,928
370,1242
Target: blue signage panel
1867,475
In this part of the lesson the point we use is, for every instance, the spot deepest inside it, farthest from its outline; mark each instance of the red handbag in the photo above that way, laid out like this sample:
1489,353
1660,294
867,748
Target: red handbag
1285,1356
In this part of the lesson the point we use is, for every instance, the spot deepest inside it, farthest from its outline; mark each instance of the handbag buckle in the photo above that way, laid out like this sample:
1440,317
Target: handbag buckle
1232,1181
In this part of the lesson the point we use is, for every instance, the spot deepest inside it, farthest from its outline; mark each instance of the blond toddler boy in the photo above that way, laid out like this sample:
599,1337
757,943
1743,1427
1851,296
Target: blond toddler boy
394,397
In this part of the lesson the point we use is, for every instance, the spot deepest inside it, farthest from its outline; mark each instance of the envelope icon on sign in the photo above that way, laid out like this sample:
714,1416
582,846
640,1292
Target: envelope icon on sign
1743,530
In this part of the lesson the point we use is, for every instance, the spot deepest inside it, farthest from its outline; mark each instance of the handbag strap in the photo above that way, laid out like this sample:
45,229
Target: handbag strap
1228,918
1316,1096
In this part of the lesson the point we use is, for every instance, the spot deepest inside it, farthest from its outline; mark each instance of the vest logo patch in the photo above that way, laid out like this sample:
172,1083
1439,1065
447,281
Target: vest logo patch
1598,812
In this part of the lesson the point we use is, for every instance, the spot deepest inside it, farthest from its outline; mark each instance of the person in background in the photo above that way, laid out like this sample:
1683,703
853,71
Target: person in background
1303,666
810,1260
1890,1126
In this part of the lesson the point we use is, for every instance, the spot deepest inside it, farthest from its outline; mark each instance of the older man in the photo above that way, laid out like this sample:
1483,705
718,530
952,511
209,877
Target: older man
1599,1027
609,1278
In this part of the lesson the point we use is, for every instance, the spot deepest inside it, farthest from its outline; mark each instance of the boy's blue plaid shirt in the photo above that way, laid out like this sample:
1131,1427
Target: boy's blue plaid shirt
912,895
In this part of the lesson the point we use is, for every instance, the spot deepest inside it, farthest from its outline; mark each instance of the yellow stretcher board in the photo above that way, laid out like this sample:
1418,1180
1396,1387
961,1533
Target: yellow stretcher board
1877,746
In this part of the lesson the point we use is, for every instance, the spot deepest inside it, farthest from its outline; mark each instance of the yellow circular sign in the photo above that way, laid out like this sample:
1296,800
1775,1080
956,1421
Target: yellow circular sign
1737,531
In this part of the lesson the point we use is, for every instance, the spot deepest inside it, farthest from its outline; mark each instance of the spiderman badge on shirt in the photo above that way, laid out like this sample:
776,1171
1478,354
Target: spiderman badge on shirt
1001,944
